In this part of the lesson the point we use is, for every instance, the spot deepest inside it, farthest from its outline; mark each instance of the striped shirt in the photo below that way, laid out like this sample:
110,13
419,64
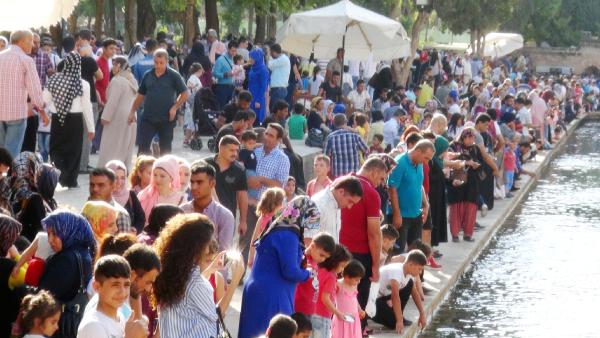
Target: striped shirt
19,80
344,147
274,165
195,315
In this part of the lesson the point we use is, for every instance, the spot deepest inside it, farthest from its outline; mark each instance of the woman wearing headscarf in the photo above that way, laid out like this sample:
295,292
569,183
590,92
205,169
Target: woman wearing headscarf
277,267
164,185
135,54
197,54
9,232
118,137
126,197
67,96
437,193
102,218
258,83
71,237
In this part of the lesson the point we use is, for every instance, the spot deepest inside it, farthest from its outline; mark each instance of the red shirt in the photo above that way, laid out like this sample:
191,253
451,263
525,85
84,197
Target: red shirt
101,85
426,178
305,299
327,282
353,233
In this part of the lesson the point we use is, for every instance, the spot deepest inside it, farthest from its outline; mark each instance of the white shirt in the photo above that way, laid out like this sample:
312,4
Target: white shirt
331,219
454,108
124,310
354,67
44,250
359,100
390,272
96,324
315,84
81,104
391,130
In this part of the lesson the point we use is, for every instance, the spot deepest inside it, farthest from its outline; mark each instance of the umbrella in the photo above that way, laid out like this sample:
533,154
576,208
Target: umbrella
23,14
361,32
500,44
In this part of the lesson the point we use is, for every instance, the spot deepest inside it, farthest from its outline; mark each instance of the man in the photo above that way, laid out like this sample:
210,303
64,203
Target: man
279,114
408,201
47,47
483,140
343,193
272,170
231,185
343,147
243,48
359,98
391,129
163,92
335,65
223,72
102,184
360,231
145,64
19,81
231,109
280,68
202,183
395,105
235,128
330,89
294,78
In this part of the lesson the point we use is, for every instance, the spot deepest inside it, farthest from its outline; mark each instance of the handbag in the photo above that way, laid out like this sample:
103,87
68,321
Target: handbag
222,331
459,175
315,138
72,311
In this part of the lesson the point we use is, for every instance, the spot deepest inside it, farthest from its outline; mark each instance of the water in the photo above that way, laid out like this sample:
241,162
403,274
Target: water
539,277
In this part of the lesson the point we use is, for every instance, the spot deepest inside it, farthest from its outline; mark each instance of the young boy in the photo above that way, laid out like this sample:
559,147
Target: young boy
510,165
321,167
297,125
111,283
321,247
304,325
281,326
396,286
248,159
389,235
376,147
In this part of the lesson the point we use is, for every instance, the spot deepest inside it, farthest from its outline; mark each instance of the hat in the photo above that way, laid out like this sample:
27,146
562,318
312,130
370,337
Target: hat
454,95
339,109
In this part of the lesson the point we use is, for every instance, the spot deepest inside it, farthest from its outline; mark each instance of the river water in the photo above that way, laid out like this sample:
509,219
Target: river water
540,274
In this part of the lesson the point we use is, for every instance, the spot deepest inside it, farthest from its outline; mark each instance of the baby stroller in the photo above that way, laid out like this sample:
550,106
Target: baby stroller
204,114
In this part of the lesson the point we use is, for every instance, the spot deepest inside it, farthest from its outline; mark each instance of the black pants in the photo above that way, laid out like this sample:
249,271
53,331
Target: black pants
245,239
385,313
147,132
364,287
65,147
30,138
411,229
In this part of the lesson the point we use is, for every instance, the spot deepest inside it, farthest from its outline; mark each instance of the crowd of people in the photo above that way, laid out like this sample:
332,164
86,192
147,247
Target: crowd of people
161,244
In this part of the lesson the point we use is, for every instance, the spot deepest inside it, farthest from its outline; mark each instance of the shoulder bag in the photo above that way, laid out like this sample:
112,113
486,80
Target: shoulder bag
72,311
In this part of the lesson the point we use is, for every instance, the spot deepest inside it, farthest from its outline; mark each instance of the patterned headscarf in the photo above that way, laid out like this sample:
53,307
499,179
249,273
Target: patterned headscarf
121,195
101,217
300,214
26,170
9,231
47,184
74,231
66,85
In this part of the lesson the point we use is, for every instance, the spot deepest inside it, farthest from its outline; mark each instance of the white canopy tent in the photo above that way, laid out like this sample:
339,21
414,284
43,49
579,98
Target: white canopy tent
362,33
24,14
501,44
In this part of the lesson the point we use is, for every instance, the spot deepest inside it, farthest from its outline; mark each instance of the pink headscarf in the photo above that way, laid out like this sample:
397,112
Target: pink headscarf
122,195
149,196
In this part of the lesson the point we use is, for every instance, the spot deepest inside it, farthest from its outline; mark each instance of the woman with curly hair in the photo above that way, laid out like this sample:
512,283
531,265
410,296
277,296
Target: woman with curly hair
182,291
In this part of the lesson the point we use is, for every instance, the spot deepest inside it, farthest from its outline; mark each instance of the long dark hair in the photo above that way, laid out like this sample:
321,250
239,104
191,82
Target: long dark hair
180,247
159,215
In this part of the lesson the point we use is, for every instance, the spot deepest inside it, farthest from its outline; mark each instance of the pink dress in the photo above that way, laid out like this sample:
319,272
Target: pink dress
347,303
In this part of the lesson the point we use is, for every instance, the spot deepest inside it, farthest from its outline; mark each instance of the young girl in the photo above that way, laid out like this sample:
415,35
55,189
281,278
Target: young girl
40,314
290,188
270,203
141,173
194,85
361,125
327,276
347,303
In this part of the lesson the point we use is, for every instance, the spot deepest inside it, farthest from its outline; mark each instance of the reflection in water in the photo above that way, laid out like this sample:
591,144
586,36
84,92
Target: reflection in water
539,276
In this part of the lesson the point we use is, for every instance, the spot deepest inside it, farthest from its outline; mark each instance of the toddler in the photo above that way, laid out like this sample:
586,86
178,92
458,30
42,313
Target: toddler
510,165
248,159
270,203
347,303
239,74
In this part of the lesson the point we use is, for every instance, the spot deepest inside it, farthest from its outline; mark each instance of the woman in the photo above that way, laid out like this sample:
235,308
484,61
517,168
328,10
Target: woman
463,192
27,203
9,232
102,218
437,193
67,96
141,173
197,54
183,293
164,185
327,113
258,83
184,178
159,216
277,267
455,126
118,137
125,197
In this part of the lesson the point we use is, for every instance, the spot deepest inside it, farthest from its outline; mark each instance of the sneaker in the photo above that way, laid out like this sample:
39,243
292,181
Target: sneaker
478,226
484,210
433,264
509,195
437,254
468,239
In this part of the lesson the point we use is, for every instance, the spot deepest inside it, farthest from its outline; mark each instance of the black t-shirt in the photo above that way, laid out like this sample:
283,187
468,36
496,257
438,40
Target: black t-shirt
332,93
229,111
293,61
247,157
314,120
229,182
225,130
89,67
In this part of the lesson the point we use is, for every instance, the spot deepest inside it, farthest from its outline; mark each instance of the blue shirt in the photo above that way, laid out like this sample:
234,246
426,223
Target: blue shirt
407,178
274,165
280,71
143,66
223,65
344,147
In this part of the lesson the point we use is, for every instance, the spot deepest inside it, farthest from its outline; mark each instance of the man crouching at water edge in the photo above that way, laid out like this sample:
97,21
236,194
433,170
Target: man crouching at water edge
396,286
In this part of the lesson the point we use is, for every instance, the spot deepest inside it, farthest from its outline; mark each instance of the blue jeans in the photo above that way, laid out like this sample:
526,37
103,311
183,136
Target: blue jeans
12,134
509,179
44,145
321,326
276,94
148,130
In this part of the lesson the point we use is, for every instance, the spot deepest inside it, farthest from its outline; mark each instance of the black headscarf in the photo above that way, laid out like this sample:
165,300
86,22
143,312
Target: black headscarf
196,55
159,215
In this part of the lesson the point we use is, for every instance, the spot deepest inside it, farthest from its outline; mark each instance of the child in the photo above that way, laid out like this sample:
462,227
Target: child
361,125
270,203
389,235
327,276
239,74
248,158
510,165
290,189
194,85
417,244
297,124
558,134
321,166
395,288
43,134
40,314
211,272
376,144
347,303
320,248
281,326
112,282
305,81
40,250
304,329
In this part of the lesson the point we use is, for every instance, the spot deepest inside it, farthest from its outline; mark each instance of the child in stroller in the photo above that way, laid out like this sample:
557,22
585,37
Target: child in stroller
205,115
